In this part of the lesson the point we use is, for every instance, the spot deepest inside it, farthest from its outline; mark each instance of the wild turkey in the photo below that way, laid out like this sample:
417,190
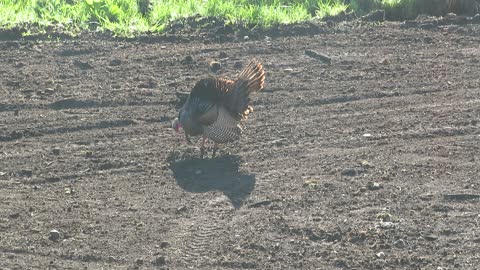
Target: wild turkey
217,108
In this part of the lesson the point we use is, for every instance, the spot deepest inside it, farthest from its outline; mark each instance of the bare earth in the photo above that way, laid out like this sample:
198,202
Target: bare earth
372,162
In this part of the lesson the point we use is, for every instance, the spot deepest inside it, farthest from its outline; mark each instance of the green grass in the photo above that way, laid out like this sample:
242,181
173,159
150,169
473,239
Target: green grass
133,17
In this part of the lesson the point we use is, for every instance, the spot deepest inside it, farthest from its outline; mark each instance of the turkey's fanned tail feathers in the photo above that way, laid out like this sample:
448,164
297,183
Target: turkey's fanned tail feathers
250,80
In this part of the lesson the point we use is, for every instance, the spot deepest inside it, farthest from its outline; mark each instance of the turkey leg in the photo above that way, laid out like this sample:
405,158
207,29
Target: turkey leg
202,147
215,148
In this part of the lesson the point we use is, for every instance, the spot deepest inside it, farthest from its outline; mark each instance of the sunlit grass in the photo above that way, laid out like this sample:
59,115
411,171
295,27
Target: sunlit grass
125,17
328,8
133,17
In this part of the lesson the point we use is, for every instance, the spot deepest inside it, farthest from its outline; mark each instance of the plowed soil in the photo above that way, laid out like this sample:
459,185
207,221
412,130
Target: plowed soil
371,162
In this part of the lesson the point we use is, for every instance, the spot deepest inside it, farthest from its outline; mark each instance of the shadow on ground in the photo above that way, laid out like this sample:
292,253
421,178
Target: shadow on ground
221,173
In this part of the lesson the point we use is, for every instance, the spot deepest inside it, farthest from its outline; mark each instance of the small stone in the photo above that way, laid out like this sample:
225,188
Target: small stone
15,112
56,151
215,66
164,244
139,261
374,186
380,254
399,244
54,235
367,135
246,38
288,70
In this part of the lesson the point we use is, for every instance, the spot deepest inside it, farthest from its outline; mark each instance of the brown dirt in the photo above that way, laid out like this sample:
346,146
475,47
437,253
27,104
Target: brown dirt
370,162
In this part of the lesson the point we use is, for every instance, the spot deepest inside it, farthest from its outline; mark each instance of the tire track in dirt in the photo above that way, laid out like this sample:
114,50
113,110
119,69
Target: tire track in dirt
197,239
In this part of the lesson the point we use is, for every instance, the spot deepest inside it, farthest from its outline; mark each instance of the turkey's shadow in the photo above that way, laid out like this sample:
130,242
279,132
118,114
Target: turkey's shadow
222,173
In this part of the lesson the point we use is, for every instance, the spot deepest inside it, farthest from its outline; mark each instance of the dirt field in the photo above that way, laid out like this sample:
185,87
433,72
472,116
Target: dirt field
372,162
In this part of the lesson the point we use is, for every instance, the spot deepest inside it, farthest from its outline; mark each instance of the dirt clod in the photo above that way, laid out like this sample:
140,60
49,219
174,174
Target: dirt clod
82,65
187,60
159,261
14,215
374,16
431,237
181,209
320,56
349,172
215,66
222,55
115,62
